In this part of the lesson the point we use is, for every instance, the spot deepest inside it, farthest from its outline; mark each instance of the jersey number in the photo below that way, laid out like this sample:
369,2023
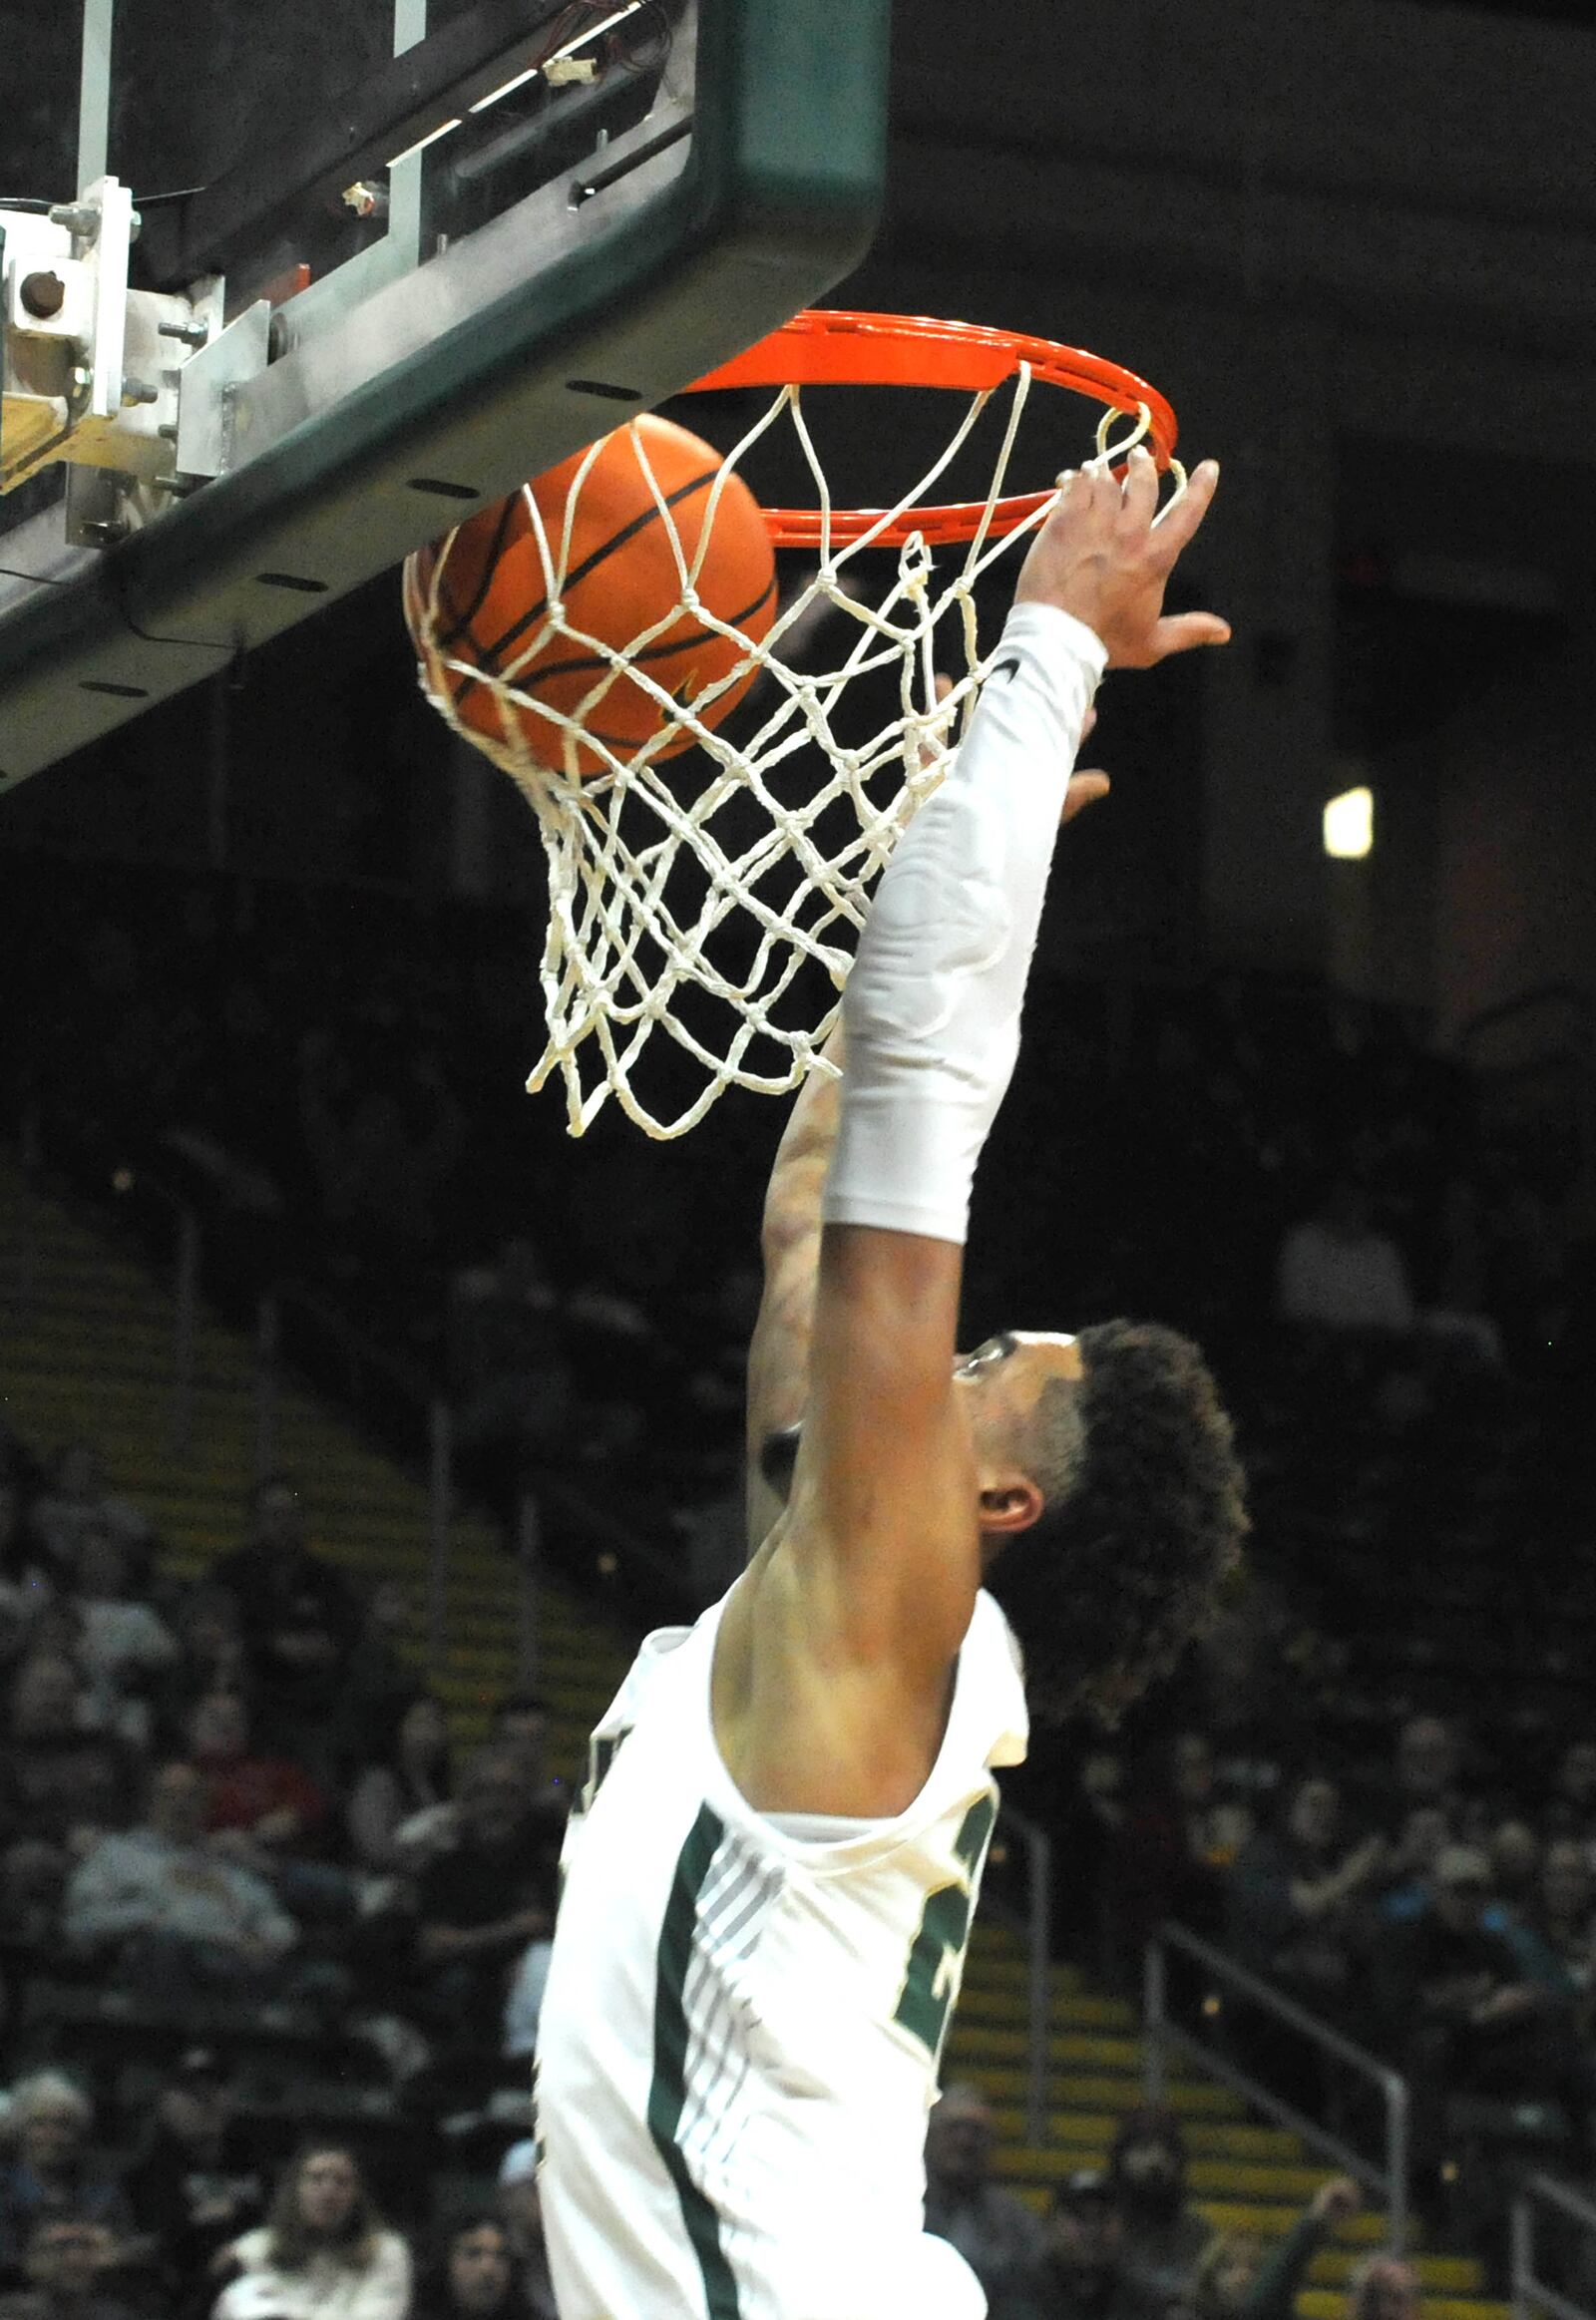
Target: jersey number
938,1949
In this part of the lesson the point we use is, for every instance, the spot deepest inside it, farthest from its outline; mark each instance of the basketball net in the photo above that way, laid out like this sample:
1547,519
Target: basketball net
719,963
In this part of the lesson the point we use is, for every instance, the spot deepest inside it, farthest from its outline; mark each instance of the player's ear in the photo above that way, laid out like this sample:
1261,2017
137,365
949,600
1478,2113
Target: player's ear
1012,1503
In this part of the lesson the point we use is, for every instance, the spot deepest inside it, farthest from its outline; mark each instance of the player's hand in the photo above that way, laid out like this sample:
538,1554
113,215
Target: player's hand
1086,787
1100,557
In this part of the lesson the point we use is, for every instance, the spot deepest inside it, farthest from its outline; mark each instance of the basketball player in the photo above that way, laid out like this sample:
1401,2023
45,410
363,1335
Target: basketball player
769,1888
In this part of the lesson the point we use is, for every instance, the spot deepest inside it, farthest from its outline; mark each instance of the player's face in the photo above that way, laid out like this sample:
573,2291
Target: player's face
1005,1379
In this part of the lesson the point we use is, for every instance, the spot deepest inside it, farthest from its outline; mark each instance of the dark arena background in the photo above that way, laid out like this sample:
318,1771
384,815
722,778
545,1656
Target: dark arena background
355,1420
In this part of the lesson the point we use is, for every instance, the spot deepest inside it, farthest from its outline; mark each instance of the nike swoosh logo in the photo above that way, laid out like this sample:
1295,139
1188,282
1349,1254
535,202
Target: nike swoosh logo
1008,667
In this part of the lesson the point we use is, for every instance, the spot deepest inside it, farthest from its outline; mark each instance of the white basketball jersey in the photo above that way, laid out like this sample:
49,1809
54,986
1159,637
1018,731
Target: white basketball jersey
739,2041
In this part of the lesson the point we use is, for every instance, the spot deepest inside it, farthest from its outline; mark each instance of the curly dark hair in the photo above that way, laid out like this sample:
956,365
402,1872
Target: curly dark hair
1143,1522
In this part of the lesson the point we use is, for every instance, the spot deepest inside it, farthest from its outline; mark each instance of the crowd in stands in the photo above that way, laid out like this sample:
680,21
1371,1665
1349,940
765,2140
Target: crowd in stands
248,1895
1432,1903
1125,2242
250,1898
1372,1782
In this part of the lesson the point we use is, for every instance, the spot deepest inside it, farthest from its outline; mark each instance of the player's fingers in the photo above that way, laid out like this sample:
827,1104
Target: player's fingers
1107,497
1184,514
1140,498
1084,790
1182,631
1088,495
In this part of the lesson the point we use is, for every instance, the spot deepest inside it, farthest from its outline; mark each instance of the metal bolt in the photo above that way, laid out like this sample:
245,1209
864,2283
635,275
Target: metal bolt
190,333
167,431
81,378
138,391
106,535
81,218
178,486
43,294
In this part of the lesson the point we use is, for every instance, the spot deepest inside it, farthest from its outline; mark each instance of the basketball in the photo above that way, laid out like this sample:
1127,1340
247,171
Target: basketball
622,577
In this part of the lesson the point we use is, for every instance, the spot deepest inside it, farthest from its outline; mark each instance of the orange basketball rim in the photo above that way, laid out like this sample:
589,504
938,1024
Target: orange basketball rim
844,348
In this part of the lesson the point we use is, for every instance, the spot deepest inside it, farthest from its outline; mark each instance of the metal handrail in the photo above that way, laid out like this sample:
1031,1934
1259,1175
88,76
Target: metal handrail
401,1378
1160,2033
1531,2295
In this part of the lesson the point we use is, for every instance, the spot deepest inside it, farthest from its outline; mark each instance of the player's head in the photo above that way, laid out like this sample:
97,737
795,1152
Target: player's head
1112,1501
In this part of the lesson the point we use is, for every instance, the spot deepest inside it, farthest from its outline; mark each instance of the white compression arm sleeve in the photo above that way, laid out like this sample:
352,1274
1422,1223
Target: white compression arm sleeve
932,1008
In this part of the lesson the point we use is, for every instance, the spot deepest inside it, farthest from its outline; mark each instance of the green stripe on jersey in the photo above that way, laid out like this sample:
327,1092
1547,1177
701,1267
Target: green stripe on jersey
667,2095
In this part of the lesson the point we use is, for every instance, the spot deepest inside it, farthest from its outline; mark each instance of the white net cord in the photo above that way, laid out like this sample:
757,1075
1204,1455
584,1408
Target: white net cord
715,897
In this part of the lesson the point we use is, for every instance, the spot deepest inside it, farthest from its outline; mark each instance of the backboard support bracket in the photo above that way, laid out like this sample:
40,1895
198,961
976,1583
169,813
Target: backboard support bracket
679,263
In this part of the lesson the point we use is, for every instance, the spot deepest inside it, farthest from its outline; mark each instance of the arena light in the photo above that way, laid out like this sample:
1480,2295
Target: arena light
1350,825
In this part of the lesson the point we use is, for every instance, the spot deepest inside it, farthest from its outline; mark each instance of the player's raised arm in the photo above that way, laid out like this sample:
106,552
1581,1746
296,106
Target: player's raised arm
891,1489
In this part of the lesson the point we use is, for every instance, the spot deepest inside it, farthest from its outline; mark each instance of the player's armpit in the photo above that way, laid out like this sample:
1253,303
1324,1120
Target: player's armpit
883,1527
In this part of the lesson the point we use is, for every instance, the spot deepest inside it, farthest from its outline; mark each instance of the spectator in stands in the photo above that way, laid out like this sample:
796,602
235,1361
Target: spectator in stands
325,2253
268,1800
60,1785
177,1917
1164,2236
210,1632
477,2278
1382,2288
397,1806
1238,2279
195,2182
1426,1773
520,1722
1562,1914
521,2213
67,2262
124,1644
1515,1866
1177,1838
300,1619
485,1899
1337,1272
50,2176
379,1680
1248,1701
996,2234
1293,1895
78,1499
1473,2009
1081,2276
1421,1841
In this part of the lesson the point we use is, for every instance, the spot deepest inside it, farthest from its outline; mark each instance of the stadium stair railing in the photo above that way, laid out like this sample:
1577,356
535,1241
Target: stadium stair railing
1248,2175
1386,2178
95,1345
1532,2296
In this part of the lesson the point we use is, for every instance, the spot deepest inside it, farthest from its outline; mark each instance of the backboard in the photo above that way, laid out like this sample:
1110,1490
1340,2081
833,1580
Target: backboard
288,290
